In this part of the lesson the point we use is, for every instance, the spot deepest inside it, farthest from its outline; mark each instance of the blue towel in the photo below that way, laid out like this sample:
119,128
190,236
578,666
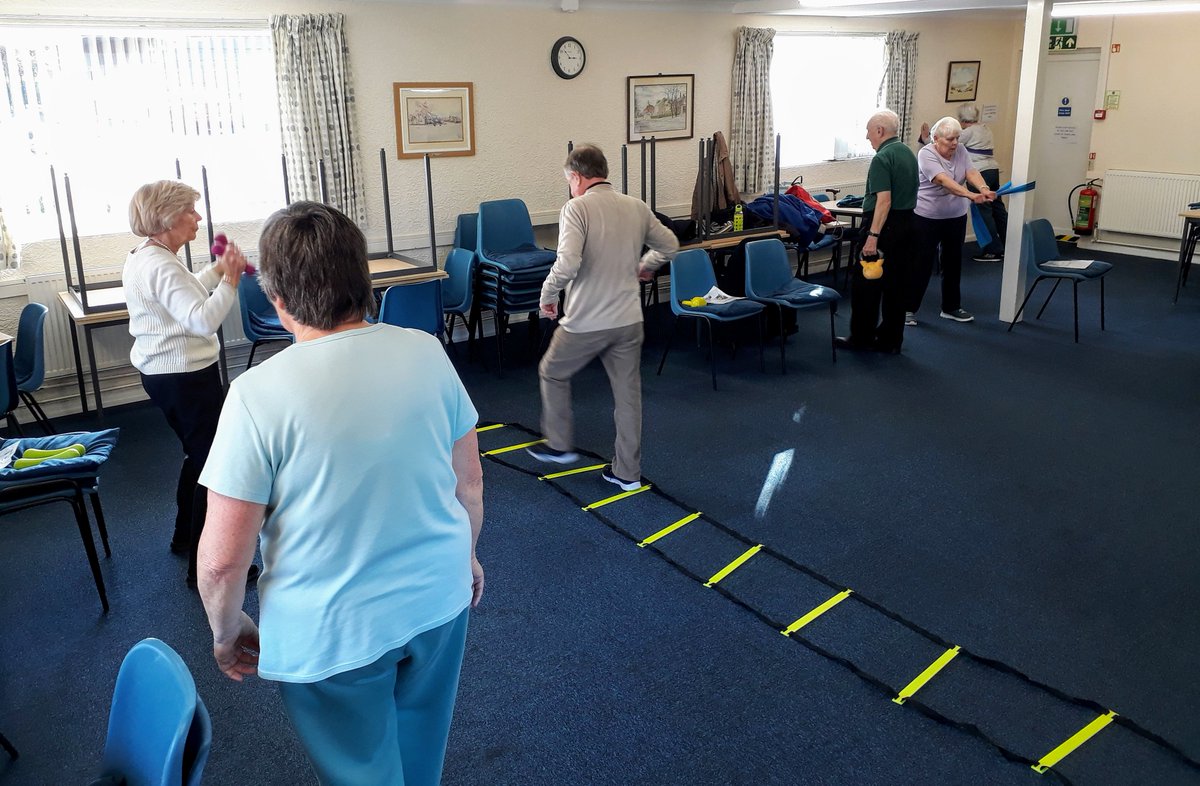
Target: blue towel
522,257
99,445
731,310
982,236
801,293
801,220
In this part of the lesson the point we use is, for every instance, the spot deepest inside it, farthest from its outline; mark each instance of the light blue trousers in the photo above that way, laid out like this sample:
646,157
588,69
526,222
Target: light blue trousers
385,723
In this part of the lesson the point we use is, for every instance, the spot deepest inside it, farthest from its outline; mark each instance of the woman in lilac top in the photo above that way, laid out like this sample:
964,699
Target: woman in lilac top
941,216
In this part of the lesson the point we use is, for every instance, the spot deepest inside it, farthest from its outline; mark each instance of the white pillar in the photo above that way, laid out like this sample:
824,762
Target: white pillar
1033,54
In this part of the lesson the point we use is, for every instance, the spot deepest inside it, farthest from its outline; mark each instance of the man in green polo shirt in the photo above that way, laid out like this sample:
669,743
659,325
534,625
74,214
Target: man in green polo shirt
888,223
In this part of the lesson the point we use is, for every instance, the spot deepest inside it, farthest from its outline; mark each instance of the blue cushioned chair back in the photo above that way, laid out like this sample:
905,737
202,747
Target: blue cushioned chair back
767,267
8,381
416,306
457,289
29,362
504,225
691,276
252,301
153,708
1040,236
465,229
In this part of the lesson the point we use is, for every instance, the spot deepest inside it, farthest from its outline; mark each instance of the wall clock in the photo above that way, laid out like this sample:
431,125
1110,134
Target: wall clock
567,57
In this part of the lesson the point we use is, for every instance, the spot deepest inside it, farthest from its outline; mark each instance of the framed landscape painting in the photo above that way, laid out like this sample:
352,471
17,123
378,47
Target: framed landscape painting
435,118
962,80
660,106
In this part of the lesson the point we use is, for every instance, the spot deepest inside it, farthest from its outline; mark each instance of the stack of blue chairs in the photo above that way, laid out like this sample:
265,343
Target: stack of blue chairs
510,266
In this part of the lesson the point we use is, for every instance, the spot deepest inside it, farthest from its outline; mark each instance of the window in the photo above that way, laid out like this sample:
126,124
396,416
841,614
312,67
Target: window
823,90
114,109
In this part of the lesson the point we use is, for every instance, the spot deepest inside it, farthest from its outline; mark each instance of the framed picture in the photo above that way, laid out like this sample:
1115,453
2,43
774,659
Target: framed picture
962,80
437,118
660,106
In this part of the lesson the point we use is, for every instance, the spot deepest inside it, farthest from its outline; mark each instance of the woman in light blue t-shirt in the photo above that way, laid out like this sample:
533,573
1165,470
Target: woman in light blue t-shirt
353,455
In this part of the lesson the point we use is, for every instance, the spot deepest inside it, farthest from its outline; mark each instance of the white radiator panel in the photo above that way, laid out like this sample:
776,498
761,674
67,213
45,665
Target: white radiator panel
1146,203
112,343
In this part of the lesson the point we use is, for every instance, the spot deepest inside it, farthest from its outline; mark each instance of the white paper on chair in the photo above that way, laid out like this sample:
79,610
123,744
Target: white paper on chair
716,297
1069,264
6,455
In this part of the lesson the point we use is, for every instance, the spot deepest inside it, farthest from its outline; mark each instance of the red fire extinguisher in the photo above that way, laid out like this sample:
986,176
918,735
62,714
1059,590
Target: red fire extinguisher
1084,212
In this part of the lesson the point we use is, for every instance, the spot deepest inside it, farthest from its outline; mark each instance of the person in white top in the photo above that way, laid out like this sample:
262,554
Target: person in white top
977,139
174,315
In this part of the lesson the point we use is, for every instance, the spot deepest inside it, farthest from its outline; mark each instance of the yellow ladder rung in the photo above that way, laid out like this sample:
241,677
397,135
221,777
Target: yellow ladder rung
731,567
665,531
615,498
1074,741
511,448
481,429
818,611
564,473
930,672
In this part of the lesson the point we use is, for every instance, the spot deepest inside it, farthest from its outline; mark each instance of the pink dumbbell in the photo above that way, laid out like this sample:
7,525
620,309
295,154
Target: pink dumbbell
218,248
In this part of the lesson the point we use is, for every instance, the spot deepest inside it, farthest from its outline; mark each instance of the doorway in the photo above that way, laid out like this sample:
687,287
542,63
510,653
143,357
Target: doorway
1063,132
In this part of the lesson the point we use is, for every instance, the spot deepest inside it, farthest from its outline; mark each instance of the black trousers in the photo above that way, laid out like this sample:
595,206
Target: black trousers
946,235
994,214
877,306
192,404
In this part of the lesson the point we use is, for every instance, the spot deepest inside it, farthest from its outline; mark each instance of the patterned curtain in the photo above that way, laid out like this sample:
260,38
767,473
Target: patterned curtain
900,78
752,140
9,260
316,110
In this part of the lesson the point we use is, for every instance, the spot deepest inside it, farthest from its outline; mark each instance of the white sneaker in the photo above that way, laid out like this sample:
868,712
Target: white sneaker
910,319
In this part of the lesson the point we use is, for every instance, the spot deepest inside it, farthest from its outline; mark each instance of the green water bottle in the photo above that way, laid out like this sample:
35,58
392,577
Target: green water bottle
737,218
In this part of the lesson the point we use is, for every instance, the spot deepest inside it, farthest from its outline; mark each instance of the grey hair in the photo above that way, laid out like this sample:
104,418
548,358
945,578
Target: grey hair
945,127
587,161
886,118
968,113
314,259
155,206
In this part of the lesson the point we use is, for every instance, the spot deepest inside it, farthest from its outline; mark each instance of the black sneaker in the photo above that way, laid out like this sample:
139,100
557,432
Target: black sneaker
621,483
958,315
544,452
987,258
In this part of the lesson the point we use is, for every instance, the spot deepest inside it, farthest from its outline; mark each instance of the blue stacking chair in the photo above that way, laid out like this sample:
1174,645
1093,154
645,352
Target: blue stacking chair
692,276
511,267
29,360
9,395
458,290
1040,252
159,731
62,480
260,322
416,306
466,227
769,281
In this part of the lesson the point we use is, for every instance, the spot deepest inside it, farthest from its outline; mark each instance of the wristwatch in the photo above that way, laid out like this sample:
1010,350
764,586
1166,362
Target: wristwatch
873,234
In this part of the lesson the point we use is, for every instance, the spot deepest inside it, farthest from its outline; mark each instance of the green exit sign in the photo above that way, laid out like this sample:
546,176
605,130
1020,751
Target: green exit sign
1065,26
1059,42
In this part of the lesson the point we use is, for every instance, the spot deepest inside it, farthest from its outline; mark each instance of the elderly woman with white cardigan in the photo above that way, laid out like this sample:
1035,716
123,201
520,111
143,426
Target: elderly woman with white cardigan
174,315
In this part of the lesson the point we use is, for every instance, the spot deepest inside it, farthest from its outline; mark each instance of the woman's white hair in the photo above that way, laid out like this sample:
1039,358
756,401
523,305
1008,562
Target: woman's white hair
968,113
945,127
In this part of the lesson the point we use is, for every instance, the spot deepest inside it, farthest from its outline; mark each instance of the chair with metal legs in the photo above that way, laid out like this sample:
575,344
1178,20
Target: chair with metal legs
1040,252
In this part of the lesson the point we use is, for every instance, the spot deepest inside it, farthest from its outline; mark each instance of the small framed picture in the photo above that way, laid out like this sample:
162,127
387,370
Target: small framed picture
660,106
962,80
437,118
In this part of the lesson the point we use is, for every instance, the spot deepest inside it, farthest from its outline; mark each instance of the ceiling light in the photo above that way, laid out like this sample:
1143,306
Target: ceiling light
1124,7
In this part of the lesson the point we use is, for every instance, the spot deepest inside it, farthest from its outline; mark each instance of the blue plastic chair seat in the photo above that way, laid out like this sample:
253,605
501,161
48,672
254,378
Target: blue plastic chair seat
521,258
724,312
1094,270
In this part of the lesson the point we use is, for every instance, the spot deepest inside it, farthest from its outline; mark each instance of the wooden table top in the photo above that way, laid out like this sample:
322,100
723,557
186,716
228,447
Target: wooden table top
728,241
1190,215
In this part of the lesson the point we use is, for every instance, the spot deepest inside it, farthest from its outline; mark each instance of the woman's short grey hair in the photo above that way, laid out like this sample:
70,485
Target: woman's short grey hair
155,206
314,259
968,113
588,161
945,127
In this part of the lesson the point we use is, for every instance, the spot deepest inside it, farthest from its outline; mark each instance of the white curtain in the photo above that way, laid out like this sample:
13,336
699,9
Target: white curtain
316,110
900,79
752,140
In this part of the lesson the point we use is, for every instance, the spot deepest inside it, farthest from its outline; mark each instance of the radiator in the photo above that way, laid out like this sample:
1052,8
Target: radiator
112,343
1146,203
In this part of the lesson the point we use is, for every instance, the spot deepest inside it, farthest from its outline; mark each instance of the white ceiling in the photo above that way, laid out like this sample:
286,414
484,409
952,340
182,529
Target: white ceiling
843,8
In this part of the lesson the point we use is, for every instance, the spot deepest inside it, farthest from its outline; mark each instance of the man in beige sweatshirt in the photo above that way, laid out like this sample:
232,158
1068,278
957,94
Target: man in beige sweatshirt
601,233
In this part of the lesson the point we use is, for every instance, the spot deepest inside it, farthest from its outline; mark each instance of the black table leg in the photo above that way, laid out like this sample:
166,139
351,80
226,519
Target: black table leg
78,366
91,350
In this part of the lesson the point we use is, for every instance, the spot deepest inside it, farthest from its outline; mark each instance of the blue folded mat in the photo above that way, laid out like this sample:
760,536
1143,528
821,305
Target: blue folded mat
521,258
730,310
99,446
801,292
